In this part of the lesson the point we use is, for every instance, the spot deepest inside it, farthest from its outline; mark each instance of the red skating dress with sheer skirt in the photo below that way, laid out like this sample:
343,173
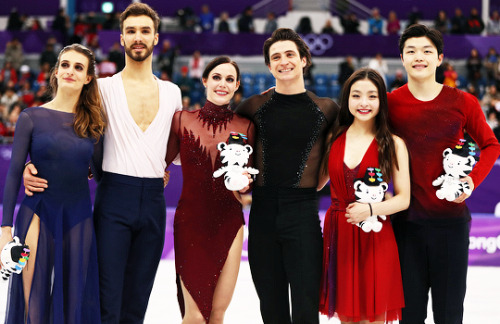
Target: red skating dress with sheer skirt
361,275
208,215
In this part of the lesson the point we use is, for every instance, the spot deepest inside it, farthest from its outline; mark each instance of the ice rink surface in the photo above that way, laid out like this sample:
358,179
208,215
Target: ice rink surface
482,302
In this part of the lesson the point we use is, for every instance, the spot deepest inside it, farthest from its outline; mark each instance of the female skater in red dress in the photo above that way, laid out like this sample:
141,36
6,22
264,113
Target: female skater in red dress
361,279
208,225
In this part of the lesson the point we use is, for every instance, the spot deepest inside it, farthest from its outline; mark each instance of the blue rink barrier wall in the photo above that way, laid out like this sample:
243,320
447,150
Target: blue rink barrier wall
484,245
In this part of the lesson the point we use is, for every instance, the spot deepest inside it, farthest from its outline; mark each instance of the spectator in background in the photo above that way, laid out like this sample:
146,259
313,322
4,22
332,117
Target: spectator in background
380,65
304,27
186,104
25,76
399,80
9,98
393,25
414,16
96,49
79,29
14,111
184,82
346,69
61,24
206,19
26,95
492,120
14,22
441,22
458,23
475,24
42,95
328,28
471,89
14,53
375,23
196,66
91,34
223,26
112,21
245,22
166,58
7,75
450,76
106,68
491,99
350,23
493,24
271,24
4,114
116,56
48,55
474,66
35,25
491,65
187,19
44,74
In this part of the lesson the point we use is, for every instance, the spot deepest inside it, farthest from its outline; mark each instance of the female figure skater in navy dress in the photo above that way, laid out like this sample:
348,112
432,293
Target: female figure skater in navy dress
60,282
208,225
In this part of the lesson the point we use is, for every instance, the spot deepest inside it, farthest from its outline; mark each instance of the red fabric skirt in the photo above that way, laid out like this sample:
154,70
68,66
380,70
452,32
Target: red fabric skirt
361,273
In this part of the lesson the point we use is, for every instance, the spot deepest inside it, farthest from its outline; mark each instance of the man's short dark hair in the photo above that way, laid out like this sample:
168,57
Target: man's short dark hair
419,30
140,9
287,34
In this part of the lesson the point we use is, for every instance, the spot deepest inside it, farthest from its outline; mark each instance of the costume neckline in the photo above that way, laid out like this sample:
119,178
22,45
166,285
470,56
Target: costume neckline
215,116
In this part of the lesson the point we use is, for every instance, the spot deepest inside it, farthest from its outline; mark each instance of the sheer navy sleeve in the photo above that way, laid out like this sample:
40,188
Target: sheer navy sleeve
20,149
97,157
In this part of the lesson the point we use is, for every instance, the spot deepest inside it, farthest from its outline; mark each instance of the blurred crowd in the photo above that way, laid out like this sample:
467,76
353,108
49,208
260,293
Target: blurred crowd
22,86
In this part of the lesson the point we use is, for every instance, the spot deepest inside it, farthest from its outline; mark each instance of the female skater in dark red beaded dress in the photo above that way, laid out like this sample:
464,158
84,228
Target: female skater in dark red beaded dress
208,225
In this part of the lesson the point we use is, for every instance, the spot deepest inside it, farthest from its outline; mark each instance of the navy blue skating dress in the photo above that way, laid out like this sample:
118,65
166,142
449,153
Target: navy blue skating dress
65,286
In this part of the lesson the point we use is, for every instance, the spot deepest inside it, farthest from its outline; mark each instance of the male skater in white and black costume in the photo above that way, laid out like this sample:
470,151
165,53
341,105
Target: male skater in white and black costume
285,241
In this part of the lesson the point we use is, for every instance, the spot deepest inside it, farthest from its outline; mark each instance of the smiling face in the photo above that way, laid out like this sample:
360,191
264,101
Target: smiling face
72,70
138,37
285,61
364,100
221,84
420,58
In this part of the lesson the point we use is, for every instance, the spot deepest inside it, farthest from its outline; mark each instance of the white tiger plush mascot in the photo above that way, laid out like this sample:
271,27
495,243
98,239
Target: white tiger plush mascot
371,189
13,258
234,156
457,163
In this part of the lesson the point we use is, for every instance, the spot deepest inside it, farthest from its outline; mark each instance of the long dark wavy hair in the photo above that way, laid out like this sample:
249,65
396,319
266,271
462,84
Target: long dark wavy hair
386,148
89,118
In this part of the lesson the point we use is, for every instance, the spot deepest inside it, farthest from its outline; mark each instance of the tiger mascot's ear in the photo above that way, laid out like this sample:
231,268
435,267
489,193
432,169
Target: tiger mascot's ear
357,184
221,146
249,149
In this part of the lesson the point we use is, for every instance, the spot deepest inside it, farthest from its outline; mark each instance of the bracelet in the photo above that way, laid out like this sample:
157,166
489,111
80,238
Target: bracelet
371,210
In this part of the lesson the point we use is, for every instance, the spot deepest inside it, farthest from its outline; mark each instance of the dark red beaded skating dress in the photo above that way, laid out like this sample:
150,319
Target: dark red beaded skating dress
208,216
361,275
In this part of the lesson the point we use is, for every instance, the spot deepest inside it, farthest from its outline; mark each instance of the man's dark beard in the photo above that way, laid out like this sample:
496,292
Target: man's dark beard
138,57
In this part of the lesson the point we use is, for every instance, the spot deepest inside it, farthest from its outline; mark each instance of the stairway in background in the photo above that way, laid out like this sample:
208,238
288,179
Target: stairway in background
311,5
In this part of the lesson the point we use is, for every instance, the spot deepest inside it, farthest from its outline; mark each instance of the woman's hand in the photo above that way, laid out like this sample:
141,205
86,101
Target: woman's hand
357,212
5,238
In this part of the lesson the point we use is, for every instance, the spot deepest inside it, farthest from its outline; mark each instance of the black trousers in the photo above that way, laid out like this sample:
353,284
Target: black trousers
433,257
285,250
129,215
